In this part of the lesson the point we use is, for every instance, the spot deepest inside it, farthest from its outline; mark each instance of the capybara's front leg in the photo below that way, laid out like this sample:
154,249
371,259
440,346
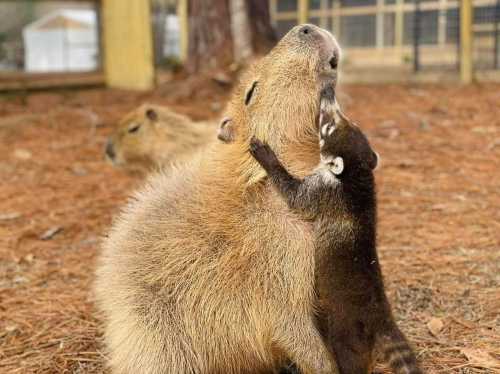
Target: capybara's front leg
306,349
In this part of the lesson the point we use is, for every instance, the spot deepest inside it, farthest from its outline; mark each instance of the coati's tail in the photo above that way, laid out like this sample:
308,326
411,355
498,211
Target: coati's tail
397,353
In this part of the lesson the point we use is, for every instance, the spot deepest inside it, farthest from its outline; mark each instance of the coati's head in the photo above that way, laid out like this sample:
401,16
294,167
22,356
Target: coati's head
344,150
146,135
277,99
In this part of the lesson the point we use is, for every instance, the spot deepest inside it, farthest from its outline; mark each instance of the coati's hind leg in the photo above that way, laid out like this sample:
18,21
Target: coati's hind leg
352,354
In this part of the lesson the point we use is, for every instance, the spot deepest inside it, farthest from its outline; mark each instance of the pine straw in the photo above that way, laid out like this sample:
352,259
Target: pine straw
438,233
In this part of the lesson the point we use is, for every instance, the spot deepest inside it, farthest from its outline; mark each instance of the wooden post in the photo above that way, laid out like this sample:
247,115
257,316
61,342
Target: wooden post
303,11
496,65
128,44
416,36
442,23
379,35
399,25
466,66
183,16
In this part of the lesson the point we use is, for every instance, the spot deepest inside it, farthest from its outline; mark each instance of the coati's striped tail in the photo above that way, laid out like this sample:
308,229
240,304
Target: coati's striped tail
397,353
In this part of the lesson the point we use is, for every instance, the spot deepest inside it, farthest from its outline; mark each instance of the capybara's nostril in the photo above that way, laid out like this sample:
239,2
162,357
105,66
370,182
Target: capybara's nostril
334,62
110,151
305,30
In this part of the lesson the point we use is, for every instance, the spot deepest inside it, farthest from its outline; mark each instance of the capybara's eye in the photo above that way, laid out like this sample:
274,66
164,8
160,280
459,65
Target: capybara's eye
134,129
250,93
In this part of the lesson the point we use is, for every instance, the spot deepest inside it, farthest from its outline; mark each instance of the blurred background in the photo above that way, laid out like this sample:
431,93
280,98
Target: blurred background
402,39
421,77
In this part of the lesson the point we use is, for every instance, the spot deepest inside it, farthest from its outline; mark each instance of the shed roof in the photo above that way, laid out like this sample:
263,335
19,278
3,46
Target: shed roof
65,18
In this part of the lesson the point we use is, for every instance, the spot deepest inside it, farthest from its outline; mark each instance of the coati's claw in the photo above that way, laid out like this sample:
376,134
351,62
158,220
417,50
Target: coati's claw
255,144
261,151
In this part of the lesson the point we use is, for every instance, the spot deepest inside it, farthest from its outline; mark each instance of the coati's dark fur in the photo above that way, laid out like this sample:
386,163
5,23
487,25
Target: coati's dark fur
355,317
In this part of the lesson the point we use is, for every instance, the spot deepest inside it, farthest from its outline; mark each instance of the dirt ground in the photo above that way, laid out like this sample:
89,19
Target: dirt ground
439,231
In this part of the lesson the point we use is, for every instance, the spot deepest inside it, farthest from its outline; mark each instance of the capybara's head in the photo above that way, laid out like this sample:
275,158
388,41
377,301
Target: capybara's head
278,98
145,136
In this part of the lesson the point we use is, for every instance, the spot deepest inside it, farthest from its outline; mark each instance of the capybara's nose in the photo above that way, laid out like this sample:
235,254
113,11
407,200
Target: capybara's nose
307,30
110,150
334,62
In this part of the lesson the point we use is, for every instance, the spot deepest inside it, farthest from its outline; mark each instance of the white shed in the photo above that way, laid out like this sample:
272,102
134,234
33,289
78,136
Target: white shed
64,40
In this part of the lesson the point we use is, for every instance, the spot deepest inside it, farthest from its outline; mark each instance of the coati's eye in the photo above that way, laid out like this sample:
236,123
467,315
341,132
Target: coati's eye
250,93
134,128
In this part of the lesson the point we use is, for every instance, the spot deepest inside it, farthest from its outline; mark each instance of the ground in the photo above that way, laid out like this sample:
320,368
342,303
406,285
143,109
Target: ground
439,199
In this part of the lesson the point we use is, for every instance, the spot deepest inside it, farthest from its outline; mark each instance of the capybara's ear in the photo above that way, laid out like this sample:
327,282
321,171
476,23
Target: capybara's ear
226,131
250,92
151,114
373,163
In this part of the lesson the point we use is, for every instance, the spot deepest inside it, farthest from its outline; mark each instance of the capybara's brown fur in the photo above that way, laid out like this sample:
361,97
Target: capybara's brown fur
207,270
154,136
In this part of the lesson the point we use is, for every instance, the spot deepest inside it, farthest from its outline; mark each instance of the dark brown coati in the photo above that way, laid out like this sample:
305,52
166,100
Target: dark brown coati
355,317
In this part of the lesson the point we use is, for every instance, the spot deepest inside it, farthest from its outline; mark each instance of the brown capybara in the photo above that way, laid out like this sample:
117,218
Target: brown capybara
153,136
355,316
207,270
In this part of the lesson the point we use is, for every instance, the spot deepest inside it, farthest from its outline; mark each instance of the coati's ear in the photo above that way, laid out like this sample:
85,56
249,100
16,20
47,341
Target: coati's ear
250,92
374,161
151,114
338,165
226,131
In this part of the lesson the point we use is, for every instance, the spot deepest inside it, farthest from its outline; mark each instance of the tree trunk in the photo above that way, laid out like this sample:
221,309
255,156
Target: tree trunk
240,28
224,31
210,42
263,33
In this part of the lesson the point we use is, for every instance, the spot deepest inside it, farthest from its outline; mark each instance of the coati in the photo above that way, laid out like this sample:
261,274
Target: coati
199,273
355,317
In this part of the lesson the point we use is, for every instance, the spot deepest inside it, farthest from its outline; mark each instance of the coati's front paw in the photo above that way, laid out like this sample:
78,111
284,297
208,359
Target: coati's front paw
261,151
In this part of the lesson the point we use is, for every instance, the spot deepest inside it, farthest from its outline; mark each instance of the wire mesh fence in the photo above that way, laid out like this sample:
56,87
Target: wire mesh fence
419,35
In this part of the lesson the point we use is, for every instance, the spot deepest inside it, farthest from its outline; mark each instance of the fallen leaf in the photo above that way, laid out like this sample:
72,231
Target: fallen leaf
435,325
22,154
9,216
482,359
50,233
